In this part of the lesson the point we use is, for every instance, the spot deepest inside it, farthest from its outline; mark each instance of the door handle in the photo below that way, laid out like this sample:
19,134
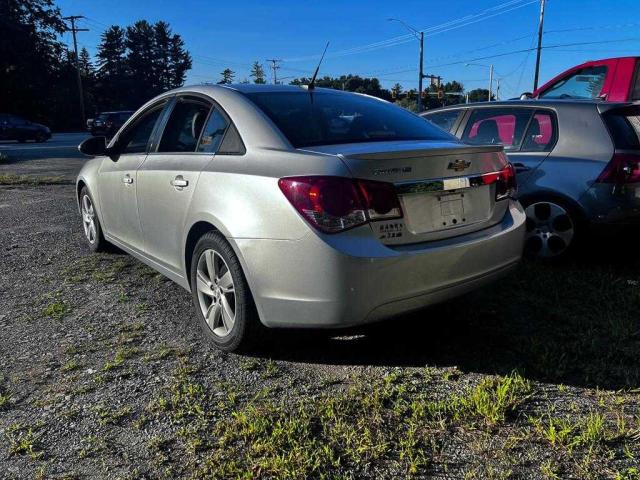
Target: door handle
180,182
127,179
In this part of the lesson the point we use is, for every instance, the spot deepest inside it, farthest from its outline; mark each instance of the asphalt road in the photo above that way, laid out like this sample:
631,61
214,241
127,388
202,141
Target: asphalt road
59,156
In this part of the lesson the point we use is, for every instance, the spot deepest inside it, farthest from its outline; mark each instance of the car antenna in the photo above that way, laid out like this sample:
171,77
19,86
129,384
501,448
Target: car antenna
312,83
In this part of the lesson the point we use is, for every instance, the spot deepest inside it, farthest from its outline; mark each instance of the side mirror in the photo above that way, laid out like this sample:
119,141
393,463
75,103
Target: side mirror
94,146
526,96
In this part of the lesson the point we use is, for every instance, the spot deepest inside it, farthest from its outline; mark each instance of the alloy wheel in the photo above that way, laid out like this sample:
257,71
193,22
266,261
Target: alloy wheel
216,292
89,220
550,229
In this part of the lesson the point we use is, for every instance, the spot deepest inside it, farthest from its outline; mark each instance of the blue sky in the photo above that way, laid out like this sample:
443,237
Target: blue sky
234,34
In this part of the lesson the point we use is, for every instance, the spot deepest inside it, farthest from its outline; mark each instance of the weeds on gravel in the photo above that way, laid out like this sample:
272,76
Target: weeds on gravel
23,441
92,444
70,365
56,310
33,180
122,353
111,416
4,399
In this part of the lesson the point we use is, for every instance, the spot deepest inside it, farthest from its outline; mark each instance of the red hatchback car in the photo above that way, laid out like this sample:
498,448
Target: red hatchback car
611,79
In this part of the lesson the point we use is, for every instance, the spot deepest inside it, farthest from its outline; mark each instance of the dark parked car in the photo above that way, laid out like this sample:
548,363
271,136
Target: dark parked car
577,162
108,123
17,128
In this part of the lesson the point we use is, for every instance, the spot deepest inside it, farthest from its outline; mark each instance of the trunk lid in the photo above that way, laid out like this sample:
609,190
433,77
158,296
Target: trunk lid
437,183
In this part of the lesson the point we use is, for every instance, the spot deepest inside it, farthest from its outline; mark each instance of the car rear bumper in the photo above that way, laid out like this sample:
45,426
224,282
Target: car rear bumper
351,279
608,204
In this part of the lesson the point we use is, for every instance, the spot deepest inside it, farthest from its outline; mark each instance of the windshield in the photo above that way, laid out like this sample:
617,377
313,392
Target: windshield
327,118
585,83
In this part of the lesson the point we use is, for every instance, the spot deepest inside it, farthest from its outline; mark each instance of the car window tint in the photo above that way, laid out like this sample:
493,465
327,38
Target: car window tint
213,132
624,126
137,137
583,83
635,91
445,119
491,126
324,117
184,126
17,120
232,143
541,134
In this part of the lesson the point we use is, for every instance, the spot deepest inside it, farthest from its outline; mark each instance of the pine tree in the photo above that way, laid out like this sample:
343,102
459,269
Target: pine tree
257,72
396,90
180,62
227,76
86,65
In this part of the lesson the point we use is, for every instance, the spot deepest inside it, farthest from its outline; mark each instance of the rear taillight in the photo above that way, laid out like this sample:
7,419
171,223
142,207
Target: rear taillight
505,180
623,168
335,204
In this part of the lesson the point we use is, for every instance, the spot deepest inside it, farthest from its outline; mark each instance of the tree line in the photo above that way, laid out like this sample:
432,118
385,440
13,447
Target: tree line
132,65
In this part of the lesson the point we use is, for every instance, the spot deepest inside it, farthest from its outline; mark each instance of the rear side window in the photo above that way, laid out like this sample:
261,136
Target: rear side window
184,126
635,90
213,132
624,127
497,126
541,134
583,83
445,119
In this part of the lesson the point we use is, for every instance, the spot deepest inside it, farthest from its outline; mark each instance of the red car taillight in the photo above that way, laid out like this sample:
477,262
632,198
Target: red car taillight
505,180
335,204
623,168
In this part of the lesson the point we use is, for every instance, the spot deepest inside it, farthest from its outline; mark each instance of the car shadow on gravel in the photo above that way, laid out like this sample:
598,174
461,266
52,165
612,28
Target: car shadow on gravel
574,323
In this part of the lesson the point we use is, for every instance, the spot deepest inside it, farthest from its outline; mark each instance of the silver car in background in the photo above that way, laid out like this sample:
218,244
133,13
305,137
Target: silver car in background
283,206
577,163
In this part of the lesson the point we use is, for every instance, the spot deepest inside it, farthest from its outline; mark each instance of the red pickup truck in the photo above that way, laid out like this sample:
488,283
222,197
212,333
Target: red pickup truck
611,79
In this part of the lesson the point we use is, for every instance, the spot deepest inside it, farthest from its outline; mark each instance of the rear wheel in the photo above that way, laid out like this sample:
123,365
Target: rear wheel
552,229
223,301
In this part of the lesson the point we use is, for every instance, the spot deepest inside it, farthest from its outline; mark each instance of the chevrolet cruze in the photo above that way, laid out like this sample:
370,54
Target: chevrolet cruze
283,206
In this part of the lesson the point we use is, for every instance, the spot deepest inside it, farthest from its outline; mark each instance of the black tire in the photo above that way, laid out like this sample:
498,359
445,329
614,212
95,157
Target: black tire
556,246
98,244
247,328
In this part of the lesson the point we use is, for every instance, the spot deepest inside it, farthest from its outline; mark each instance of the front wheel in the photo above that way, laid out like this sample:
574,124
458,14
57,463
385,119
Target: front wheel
91,223
552,229
223,301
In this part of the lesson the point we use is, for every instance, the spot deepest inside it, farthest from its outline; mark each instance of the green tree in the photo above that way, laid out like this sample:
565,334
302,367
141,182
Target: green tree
257,72
351,83
227,76
112,76
396,90
479,95
35,76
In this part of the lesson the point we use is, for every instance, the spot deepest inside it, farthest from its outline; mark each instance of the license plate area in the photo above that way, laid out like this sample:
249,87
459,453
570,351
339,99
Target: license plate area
432,212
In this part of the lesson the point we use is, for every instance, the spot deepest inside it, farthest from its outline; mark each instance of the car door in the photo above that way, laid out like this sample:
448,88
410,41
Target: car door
168,177
118,178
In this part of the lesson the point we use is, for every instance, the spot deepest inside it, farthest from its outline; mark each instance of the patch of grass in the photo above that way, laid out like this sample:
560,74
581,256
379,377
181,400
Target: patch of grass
122,353
23,441
56,310
111,271
34,180
92,445
70,365
111,416
5,397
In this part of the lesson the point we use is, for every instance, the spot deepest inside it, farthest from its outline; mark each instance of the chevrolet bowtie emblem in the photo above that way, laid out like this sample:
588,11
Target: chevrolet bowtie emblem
459,165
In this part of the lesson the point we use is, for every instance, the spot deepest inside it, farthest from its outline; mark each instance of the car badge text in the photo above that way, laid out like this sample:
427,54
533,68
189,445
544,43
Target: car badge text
459,165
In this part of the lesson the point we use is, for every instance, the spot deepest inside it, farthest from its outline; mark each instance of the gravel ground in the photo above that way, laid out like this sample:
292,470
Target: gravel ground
103,373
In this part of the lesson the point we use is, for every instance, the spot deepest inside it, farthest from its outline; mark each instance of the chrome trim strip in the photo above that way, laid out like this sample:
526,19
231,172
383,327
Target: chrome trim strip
444,184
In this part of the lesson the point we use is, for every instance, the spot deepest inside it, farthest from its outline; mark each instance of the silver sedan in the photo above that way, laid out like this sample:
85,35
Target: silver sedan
281,206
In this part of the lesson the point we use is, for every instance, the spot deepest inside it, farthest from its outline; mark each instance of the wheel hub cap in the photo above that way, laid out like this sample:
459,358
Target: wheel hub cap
550,229
88,219
216,292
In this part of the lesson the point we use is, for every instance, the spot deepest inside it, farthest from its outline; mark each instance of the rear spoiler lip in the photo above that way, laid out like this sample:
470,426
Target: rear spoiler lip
425,152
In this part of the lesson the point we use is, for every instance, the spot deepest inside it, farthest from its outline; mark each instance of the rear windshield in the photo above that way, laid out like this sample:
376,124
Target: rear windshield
624,127
326,118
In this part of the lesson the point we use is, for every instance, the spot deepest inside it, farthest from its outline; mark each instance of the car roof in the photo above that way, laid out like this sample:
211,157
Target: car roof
549,103
255,88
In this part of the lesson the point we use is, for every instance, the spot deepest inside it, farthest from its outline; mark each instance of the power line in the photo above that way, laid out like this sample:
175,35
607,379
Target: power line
274,67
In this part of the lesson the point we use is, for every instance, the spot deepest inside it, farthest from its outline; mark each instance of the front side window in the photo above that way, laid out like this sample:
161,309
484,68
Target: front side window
585,83
327,118
445,119
213,132
184,126
136,138
17,120
497,126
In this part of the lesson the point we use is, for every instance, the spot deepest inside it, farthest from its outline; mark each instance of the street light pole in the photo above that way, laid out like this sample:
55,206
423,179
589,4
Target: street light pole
74,30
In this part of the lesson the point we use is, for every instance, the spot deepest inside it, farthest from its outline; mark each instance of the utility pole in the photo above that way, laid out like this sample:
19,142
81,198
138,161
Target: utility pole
490,81
421,75
74,30
498,89
540,25
274,67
